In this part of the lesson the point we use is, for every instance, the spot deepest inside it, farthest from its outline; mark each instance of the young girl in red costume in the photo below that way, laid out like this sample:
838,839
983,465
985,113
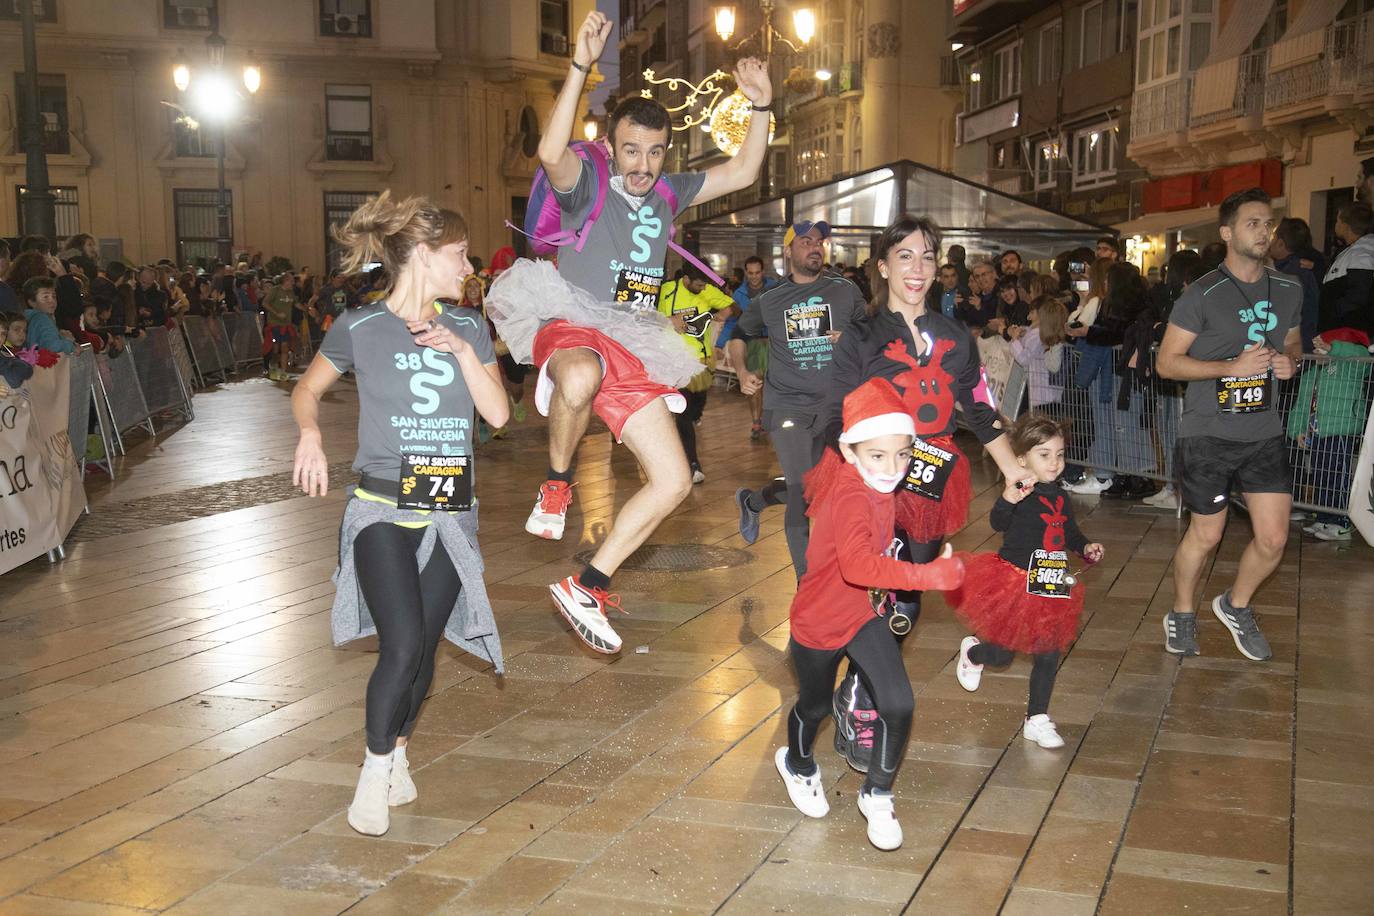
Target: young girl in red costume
1024,597
832,616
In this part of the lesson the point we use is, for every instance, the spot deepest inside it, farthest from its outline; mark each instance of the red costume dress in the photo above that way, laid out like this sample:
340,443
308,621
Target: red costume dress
996,600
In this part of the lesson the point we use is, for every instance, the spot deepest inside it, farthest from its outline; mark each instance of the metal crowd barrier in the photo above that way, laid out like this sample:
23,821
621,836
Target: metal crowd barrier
83,395
164,388
245,338
209,356
181,355
123,392
1325,407
1323,410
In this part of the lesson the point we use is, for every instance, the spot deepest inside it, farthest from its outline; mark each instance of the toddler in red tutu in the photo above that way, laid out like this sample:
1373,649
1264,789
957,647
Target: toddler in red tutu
832,616
1024,598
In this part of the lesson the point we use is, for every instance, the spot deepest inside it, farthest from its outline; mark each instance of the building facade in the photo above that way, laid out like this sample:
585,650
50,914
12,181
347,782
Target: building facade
1230,91
439,97
1047,92
1142,115
884,98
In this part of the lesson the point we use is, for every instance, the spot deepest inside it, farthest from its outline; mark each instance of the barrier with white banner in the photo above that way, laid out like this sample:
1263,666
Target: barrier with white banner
41,492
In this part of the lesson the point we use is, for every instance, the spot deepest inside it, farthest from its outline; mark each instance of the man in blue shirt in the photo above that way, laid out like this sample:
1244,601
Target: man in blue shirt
756,281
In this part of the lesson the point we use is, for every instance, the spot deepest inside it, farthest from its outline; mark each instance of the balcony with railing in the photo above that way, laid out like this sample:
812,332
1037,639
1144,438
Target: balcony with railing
1330,67
1159,112
1242,80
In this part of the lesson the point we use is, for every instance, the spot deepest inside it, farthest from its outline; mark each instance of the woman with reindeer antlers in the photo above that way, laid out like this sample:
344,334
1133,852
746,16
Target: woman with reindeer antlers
933,361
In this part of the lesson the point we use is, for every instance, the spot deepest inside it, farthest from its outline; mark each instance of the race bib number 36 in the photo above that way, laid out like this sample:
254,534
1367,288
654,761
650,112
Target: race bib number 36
1048,574
808,321
930,470
1245,394
436,482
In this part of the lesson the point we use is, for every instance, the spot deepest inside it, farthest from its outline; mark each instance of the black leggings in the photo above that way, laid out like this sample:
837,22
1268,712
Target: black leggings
410,609
687,422
907,602
881,659
1044,669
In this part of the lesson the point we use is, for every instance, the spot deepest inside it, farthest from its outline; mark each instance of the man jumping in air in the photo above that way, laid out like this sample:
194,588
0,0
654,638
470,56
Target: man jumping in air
593,328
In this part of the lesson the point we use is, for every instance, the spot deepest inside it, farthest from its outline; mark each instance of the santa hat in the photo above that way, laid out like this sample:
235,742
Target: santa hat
1346,335
875,409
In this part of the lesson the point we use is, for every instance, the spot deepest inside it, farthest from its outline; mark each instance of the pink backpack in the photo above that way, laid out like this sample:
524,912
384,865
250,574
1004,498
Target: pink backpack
544,220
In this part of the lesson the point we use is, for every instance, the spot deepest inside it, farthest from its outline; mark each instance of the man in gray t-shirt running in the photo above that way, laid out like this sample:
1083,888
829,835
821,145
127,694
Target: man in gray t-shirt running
803,316
1231,335
620,261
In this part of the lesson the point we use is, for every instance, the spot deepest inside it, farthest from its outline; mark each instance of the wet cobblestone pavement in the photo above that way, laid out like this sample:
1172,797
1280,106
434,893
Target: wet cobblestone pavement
183,505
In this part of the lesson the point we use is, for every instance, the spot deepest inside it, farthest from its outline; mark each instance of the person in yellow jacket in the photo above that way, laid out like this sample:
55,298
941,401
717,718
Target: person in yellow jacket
690,302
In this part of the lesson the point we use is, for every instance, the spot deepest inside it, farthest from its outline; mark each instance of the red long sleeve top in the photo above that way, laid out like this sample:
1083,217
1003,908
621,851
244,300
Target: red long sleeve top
850,537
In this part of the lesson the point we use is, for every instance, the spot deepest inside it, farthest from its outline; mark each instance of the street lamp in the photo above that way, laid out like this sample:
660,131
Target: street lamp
213,97
589,128
803,22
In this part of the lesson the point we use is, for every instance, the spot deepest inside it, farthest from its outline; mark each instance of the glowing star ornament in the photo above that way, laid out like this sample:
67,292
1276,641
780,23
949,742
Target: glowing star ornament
730,123
698,101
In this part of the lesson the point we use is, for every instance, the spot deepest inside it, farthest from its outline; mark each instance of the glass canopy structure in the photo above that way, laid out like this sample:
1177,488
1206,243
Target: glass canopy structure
860,206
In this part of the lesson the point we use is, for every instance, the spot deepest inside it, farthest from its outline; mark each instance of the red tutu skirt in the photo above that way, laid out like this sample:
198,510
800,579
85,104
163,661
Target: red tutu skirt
994,604
928,519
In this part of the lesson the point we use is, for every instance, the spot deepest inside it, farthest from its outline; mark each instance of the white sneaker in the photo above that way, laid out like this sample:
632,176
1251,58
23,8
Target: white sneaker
1331,532
1298,515
550,511
403,790
1164,499
806,792
1089,486
969,674
698,476
1041,730
884,831
368,814
585,609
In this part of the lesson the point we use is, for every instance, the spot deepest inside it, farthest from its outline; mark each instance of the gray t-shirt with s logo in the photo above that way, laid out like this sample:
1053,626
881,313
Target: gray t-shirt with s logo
412,400
622,258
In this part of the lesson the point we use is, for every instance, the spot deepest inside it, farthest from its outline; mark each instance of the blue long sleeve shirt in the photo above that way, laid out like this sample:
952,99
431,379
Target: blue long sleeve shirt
43,333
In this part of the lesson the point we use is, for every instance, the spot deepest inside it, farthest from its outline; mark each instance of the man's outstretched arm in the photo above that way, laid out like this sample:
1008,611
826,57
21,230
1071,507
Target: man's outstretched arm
751,75
560,163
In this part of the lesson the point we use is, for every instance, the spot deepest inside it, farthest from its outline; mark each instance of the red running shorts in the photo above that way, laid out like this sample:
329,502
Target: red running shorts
625,387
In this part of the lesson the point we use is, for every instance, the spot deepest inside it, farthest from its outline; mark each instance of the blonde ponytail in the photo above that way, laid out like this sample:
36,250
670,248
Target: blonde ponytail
387,230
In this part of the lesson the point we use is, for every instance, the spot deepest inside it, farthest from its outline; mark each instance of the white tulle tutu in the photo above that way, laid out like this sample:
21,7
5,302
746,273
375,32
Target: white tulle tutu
531,293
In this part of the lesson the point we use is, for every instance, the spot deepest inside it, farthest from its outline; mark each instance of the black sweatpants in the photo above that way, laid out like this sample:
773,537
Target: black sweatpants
687,422
410,609
875,651
798,442
1044,669
907,602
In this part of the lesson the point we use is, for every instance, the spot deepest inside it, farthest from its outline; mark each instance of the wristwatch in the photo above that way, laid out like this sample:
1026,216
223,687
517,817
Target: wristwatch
577,66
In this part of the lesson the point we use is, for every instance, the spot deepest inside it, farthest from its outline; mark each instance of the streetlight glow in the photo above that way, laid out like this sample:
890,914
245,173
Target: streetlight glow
725,22
252,78
181,77
215,98
823,74
589,129
804,21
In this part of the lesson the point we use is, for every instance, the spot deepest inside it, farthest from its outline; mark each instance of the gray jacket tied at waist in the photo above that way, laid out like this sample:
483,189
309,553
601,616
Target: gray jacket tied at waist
471,625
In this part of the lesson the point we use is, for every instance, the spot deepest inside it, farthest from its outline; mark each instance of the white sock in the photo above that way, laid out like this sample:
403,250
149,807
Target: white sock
378,760
399,755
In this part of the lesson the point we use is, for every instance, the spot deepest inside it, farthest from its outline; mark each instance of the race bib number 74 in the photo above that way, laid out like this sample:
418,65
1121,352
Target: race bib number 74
436,482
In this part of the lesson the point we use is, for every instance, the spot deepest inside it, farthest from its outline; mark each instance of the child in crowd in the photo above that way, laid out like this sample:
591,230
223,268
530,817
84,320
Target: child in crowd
1040,349
15,327
1024,597
832,616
